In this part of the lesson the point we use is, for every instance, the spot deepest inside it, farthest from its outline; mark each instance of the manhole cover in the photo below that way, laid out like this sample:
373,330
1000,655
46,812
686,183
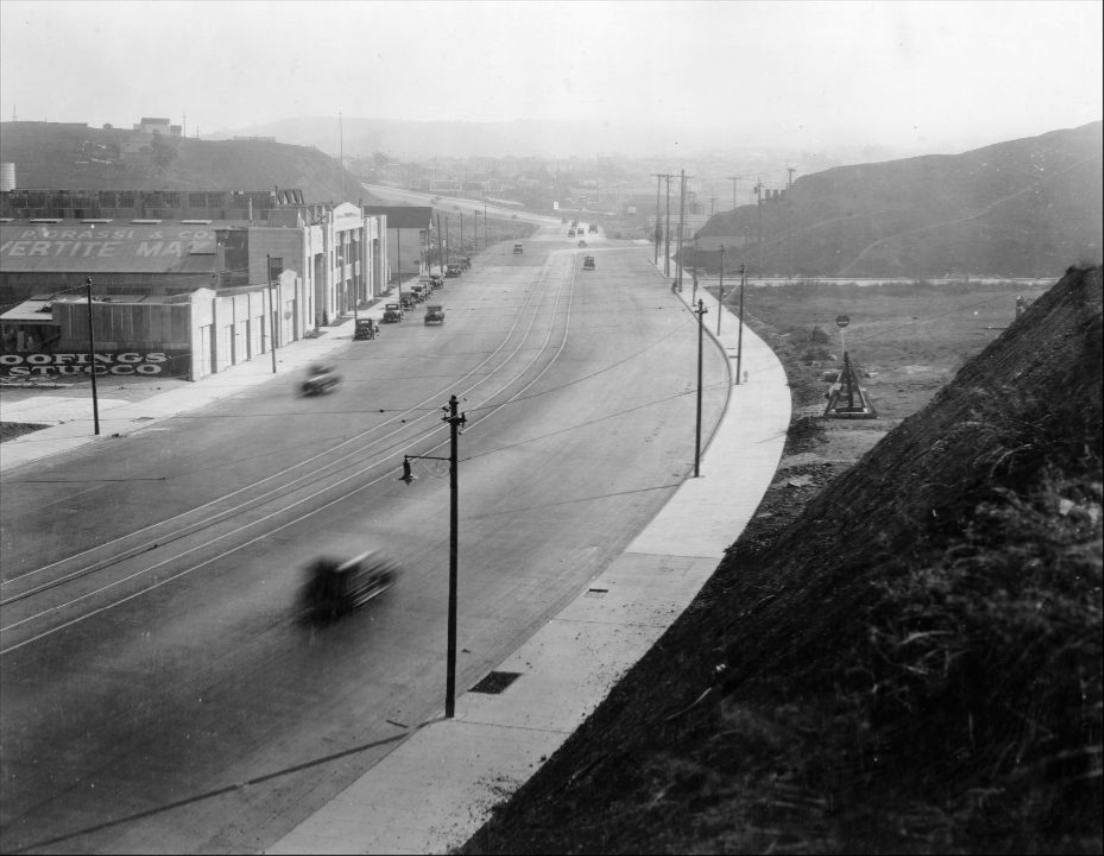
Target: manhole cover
495,682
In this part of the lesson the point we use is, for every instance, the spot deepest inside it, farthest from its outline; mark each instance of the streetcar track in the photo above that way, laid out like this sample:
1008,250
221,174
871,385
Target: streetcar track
286,507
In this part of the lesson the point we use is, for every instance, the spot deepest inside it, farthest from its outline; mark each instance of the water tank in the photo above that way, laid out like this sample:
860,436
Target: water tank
7,177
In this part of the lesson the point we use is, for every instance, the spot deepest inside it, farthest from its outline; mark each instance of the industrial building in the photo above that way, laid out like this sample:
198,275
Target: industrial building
199,292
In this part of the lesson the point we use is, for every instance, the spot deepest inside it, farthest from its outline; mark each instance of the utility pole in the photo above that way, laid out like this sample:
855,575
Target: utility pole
682,222
655,236
667,231
341,133
92,360
789,182
440,246
700,312
740,335
455,421
759,222
274,313
461,232
720,299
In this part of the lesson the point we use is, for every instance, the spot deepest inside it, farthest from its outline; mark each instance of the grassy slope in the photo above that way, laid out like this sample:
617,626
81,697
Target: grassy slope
913,665
1019,208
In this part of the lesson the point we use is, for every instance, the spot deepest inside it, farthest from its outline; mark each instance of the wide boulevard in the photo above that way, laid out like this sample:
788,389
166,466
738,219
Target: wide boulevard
159,691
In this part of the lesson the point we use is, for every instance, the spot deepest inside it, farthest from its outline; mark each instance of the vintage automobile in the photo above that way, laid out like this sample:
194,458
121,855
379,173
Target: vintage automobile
465,262
453,270
436,281
518,249
365,329
321,377
334,587
406,299
588,263
392,313
582,244
435,314
593,228
571,233
419,292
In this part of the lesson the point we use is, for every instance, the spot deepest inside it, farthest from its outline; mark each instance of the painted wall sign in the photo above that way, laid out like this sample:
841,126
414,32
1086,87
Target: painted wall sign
120,363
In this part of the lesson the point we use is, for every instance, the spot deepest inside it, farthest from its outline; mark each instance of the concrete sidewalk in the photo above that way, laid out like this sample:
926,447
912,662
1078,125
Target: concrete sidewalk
120,416
439,785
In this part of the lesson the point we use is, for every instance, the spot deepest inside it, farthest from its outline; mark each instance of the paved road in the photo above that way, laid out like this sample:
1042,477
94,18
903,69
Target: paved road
148,648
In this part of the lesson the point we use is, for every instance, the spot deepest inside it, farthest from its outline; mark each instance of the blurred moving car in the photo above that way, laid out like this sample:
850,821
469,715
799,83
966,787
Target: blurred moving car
333,587
321,377
435,314
588,263
518,248
392,312
365,329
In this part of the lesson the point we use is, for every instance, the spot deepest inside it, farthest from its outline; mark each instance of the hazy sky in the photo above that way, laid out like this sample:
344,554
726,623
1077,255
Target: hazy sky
805,74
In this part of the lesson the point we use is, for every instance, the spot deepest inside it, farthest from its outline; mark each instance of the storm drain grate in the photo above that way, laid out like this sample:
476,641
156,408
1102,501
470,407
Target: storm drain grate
495,682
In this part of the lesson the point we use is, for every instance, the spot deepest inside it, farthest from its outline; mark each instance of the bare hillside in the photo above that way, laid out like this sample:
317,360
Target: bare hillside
1019,208
910,663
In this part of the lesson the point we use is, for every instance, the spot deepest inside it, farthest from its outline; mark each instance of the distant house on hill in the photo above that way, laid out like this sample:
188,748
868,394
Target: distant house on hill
409,237
150,125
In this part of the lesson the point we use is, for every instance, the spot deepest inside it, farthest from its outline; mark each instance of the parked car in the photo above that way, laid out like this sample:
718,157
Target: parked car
321,377
571,233
453,270
588,263
593,228
582,244
465,262
436,281
419,292
365,329
333,587
518,248
393,312
435,314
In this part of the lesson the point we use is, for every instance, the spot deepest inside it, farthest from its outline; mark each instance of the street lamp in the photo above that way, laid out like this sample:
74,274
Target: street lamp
455,421
92,359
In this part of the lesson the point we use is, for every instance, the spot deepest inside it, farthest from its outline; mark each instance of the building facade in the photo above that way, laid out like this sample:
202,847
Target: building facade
202,294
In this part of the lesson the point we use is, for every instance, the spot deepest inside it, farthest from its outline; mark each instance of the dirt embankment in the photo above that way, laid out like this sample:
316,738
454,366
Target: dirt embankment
911,663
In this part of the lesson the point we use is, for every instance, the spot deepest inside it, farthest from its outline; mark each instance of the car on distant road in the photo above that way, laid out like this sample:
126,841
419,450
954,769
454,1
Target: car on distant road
518,249
582,244
392,313
588,263
593,228
453,270
435,314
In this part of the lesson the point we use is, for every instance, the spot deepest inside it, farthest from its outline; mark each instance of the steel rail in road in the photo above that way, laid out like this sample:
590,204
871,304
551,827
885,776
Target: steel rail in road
280,497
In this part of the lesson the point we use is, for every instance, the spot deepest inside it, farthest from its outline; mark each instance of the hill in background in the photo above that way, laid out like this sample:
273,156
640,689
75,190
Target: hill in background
911,665
52,155
1020,208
